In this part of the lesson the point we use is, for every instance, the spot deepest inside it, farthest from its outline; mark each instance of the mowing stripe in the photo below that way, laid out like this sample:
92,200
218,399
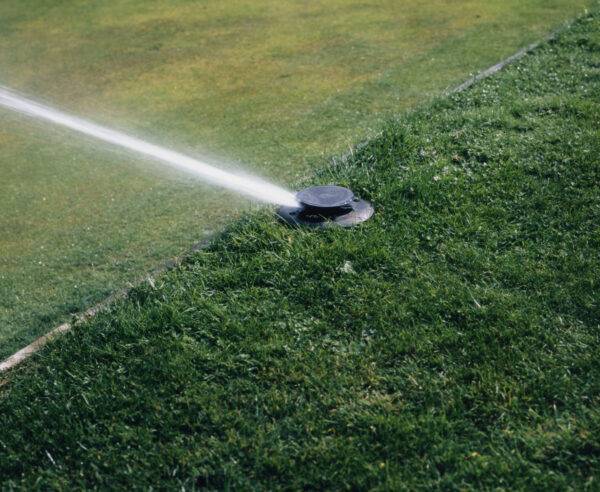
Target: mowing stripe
33,347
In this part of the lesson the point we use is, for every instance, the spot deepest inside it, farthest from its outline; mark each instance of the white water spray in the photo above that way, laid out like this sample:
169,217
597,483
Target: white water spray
250,186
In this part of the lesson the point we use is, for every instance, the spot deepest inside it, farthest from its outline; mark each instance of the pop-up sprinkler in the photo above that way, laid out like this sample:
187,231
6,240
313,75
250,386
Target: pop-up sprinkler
323,206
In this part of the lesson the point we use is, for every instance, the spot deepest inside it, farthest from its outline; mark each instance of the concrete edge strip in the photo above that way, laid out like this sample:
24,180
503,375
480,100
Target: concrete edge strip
488,72
26,352
484,74
37,344
518,55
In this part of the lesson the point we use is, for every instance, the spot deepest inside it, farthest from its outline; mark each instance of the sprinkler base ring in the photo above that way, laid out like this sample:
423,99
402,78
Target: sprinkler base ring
326,206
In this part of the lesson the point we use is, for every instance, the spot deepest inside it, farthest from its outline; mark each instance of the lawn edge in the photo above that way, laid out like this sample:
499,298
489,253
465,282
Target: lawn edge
26,352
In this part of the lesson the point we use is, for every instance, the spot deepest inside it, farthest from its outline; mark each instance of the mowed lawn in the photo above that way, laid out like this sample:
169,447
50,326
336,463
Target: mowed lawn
275,85
450,343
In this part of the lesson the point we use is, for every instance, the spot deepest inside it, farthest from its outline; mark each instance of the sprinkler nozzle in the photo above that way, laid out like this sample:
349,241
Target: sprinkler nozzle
324,206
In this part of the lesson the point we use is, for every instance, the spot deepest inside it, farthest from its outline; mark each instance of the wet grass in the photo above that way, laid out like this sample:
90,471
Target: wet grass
450,343
276,85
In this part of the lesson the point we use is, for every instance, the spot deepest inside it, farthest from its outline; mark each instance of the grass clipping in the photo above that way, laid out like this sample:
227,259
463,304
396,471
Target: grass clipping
450,342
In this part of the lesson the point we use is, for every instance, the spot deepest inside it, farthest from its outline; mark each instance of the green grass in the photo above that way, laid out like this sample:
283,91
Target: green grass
452,342
274,84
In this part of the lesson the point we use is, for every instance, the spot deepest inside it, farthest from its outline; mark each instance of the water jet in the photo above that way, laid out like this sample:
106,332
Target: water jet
326,206
247,185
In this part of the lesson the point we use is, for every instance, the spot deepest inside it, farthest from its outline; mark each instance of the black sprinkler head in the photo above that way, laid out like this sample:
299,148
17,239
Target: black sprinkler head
324,206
